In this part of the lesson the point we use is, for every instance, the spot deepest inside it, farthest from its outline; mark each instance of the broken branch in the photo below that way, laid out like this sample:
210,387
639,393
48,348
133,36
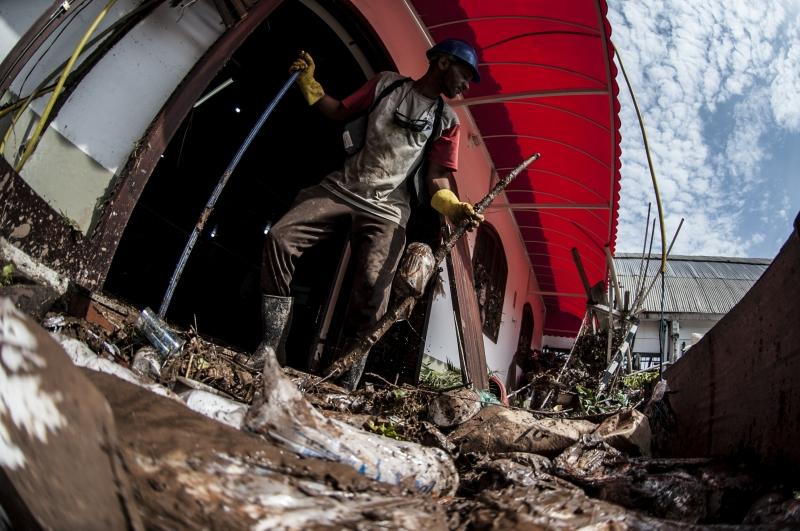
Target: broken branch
364,343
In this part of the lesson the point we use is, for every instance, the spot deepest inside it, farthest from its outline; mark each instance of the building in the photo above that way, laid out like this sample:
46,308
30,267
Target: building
105,182
698,292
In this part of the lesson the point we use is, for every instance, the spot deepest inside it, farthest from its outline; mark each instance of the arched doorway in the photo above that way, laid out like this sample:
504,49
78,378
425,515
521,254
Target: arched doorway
219,288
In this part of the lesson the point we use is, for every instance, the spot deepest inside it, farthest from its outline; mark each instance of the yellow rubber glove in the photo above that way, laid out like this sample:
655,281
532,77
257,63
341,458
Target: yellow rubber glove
446,202
309,86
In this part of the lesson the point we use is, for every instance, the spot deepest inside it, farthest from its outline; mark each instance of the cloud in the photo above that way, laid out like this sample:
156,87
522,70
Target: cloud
714,80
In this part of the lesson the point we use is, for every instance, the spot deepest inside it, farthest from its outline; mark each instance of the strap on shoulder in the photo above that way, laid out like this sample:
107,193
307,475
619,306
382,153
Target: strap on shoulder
386,91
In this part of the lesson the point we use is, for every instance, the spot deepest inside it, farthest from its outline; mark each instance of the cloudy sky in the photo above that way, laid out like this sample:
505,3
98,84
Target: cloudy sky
718,83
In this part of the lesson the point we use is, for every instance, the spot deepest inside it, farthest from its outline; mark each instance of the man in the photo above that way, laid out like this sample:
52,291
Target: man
370,193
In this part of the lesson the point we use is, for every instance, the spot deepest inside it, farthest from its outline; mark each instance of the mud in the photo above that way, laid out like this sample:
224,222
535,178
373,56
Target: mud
518,469
190,473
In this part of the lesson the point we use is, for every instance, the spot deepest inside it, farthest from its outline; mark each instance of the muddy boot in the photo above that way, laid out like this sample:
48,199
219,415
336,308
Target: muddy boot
276,318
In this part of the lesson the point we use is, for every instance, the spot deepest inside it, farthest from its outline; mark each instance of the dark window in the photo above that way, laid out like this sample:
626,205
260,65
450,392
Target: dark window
490,271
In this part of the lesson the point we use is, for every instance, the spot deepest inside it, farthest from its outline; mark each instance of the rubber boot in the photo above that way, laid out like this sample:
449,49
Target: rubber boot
349,379
276,318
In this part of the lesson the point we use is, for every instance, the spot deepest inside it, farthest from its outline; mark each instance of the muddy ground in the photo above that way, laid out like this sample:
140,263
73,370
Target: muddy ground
517,468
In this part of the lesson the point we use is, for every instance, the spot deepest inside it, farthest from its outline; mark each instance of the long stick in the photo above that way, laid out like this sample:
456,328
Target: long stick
644,247
584,323
640,282
367,340
669,249
198,228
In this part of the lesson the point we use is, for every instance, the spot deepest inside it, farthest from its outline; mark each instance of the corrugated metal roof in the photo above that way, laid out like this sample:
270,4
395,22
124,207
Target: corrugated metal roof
693,284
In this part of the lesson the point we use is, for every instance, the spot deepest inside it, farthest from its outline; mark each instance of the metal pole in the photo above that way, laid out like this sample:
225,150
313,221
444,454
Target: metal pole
217,191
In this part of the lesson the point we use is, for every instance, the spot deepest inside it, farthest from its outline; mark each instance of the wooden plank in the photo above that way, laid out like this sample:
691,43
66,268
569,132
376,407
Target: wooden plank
469,316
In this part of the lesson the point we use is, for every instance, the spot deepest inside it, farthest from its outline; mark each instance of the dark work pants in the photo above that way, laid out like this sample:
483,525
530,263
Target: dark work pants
377,245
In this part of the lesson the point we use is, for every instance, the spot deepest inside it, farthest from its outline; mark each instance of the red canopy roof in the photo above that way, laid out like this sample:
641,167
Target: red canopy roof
547,85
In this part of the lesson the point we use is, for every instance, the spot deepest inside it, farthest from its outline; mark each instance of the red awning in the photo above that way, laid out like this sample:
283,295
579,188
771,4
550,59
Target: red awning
548,86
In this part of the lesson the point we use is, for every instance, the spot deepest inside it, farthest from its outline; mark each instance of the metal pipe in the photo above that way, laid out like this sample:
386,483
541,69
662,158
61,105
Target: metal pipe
667,255
640,283
641,262
217,191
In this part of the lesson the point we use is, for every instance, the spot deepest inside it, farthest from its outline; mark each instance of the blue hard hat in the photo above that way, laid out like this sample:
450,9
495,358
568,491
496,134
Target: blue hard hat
460,50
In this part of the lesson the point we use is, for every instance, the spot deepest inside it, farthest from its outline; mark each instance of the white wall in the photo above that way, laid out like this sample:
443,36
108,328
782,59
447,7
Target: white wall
441,342
112,108
647,335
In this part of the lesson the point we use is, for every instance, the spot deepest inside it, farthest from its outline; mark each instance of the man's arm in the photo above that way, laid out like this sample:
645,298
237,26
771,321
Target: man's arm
444,201
333,109
314,93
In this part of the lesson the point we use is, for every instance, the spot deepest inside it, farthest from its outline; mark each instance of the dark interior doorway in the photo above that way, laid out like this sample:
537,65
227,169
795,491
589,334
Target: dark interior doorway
522,358
297,147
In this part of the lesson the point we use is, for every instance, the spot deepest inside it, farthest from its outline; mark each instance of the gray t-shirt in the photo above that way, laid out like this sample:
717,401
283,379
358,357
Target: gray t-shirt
374,179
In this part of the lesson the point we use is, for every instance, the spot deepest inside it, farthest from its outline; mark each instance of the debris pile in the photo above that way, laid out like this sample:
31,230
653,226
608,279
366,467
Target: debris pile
584,461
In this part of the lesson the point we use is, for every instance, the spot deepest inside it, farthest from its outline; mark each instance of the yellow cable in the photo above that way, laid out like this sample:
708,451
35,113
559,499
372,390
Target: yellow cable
23,104
649,164
18,104
34,140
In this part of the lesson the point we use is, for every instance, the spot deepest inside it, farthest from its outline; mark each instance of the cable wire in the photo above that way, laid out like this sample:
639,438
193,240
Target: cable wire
34,140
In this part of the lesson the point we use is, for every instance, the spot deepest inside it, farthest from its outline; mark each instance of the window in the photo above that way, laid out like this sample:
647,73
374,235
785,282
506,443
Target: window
489,271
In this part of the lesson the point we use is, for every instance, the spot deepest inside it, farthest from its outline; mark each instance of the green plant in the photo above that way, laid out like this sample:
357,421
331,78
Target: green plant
588,401
591,404
6,274
639,380
431,378
387,430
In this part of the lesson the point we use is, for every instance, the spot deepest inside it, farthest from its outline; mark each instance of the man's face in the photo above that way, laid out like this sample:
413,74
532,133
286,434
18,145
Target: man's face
456,78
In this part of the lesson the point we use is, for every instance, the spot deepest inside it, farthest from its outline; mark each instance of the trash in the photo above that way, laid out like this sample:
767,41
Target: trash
83,356
286,418
188,383
510,469
667,488
545,506
196,473
627,431
415,271
147,362
488,398
158,333
54,322
497,429
454,407
214,406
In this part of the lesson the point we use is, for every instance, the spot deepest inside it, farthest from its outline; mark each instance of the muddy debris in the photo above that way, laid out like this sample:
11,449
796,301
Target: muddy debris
198,453
498,429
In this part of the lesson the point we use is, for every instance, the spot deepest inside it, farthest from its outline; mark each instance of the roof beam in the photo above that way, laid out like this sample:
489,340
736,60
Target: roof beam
501,98
559,294
521,207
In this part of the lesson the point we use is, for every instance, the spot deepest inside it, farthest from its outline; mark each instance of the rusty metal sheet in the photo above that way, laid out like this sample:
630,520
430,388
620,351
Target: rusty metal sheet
736,390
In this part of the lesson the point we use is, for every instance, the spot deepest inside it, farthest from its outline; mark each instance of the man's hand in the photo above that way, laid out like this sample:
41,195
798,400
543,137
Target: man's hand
446,202
310,87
